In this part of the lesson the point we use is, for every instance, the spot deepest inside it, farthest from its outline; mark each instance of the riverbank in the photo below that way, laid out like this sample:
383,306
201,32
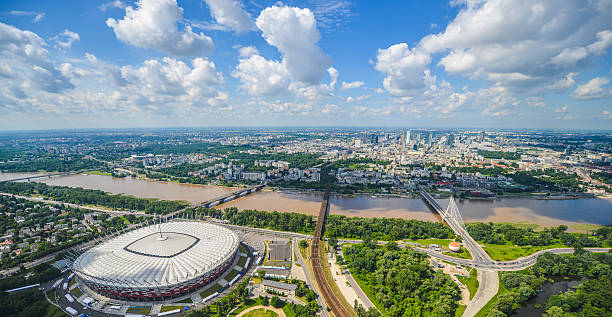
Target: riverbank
580,215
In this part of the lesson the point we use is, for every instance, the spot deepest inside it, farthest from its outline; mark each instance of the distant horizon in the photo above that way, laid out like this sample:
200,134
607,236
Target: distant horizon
304,127
442,63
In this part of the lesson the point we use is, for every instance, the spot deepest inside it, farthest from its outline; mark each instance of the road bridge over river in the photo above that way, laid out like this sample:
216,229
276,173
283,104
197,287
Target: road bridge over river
219,199
29,178
488,278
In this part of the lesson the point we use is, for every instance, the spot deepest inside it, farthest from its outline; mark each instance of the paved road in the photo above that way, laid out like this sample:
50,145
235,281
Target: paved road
513,265
484,294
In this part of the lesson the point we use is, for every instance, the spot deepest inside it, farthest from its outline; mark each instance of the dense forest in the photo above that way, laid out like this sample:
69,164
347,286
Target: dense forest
591,299
281,221
51,165
550,179
337,226
389,229
92,197
500,233
28,303
401,281
605,177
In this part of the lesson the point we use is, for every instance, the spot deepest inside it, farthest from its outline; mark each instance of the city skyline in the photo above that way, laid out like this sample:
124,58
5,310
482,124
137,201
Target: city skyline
163,63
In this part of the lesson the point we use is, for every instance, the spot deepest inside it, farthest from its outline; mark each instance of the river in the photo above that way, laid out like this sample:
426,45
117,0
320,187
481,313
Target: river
515,210
559,286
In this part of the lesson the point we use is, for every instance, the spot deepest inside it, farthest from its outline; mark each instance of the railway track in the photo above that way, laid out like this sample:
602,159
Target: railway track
332,301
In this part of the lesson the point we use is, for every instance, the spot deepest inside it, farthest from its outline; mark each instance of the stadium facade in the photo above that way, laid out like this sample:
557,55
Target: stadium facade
158,262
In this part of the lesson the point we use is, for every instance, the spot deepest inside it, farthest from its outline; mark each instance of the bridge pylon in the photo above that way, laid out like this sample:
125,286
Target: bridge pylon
452,212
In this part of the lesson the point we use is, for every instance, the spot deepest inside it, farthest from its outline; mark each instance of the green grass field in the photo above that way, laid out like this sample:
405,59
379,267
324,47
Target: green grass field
211,290
471,282
140,310
186,300
170,308
76,292
509,252
231,275
99,173
242,261
460,310
261,312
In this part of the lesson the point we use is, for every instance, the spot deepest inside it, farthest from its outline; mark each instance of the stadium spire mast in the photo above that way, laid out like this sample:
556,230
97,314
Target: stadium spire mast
161,237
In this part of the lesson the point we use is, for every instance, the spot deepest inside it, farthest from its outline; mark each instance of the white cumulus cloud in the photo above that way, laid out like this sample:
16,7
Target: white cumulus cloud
593,89
229,13
404,68
303,64
27,63
66,38
293,31
351,85
153,25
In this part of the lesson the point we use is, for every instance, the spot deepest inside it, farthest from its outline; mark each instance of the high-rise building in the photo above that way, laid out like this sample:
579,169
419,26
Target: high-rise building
481,136
450,140
402,139
407,136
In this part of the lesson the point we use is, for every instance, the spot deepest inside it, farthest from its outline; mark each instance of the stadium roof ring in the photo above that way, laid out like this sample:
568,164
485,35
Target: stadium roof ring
158,262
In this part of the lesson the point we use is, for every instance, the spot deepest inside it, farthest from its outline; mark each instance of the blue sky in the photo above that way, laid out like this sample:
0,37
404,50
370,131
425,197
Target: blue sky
459,63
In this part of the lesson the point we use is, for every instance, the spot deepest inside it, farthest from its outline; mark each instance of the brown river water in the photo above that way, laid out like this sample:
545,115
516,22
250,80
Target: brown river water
516,210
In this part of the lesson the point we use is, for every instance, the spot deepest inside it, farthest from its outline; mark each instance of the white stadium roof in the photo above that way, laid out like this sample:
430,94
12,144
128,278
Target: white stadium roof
140,258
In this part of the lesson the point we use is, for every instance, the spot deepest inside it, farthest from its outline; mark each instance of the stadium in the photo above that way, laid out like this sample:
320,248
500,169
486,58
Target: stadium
158,262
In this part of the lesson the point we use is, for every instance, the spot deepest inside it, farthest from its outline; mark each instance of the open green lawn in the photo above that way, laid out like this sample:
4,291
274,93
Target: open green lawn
471,282
99,173
261,312
170,308
242,249
231,275
460,310
244,306
211,290
72,281
509,252
242,261
76,292
186,300
143,310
